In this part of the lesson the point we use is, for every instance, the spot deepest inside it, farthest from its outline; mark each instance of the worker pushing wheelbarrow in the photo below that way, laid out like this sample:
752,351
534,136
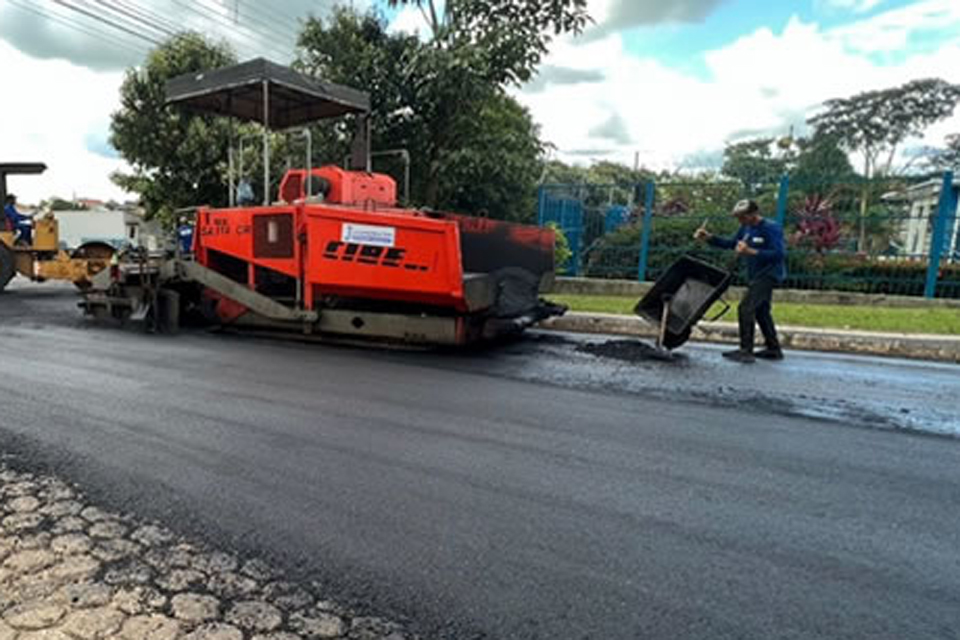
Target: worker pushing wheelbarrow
680,298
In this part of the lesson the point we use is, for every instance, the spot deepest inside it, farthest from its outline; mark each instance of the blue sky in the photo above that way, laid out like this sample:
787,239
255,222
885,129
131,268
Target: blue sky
682,45
670,80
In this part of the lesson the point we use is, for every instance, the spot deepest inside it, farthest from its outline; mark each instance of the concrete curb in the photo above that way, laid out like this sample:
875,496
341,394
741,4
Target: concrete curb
631,288
899,345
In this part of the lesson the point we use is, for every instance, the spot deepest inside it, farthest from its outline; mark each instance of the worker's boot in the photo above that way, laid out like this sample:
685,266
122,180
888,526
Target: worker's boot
739,355
770,353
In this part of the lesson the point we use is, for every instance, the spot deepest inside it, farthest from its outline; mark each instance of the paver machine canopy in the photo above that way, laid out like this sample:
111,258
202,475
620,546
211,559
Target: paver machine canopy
274,96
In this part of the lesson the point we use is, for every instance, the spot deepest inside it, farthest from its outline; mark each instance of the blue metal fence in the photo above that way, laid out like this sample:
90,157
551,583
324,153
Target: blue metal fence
893,236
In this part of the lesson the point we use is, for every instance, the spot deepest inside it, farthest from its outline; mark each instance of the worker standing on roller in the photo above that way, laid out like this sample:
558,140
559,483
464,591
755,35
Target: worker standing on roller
761,242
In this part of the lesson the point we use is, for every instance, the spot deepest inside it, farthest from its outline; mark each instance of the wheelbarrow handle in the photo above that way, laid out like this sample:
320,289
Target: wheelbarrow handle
722,312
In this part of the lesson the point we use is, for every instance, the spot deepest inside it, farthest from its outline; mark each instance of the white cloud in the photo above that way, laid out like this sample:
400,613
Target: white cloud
890,31
763,82
857,6
62,73
49,109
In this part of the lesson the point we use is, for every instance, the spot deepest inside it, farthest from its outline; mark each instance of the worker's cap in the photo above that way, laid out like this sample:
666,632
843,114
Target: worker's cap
745,208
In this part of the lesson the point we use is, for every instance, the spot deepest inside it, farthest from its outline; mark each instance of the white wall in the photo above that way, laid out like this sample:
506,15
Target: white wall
78,227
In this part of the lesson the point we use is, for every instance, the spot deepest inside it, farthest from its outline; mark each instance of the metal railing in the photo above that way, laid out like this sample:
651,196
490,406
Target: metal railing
898,236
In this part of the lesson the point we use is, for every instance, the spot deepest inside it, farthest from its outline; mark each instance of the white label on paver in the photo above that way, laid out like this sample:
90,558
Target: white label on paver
368,234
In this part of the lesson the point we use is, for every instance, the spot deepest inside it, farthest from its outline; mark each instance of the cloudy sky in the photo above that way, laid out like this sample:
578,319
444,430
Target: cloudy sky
670,80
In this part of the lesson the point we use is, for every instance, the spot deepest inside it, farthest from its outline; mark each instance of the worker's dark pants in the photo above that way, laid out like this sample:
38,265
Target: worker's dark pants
755,308
26,233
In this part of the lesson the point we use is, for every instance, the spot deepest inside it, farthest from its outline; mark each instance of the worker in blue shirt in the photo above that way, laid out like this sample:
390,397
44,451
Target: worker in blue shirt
185,236
16,221
760,242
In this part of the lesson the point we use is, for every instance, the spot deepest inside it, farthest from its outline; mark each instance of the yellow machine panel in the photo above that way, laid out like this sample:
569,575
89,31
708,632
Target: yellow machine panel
46,234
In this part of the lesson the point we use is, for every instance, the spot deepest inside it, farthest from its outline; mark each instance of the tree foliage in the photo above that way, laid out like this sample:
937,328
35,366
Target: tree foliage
505,39
876,123
177,160
819,161
753,162
947,158
472,147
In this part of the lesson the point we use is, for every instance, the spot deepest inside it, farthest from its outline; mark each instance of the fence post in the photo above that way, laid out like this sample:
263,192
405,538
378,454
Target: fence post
782,199
541,205
948,203
645,237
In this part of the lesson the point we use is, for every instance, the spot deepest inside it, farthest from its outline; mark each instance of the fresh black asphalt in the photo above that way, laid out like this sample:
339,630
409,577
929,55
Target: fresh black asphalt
532,491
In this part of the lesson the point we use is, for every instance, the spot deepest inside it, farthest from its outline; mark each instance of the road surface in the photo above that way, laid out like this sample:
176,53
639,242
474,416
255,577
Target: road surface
535,491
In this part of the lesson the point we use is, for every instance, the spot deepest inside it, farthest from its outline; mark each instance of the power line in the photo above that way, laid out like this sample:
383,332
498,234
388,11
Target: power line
219,20
88,30
265,27
107,21
132,18
168,24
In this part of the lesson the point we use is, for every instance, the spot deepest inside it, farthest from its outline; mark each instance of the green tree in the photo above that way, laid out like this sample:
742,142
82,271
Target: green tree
496,172
559,172
876,123
754,163
820,161
59,204
947,158
507,38
476,49
472,147
177,160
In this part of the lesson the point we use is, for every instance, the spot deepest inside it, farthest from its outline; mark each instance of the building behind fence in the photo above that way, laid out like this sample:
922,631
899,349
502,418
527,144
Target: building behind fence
892,236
